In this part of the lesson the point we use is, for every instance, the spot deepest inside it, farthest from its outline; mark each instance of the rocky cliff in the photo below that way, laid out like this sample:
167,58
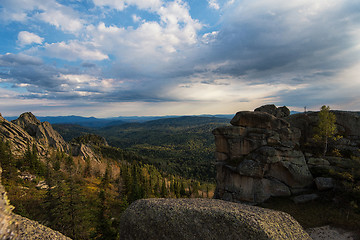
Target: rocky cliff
183,219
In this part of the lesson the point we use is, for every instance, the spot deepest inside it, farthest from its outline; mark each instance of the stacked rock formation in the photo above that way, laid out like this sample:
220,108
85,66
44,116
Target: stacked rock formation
258,157
183,219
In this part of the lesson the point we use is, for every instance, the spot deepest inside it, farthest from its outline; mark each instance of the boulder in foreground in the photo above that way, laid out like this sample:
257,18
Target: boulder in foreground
205,219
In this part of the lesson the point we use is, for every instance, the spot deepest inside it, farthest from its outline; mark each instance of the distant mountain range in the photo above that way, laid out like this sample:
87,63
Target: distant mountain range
93,122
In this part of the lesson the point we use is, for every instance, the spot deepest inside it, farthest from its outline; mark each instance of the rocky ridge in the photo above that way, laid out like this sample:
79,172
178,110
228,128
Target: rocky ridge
27,130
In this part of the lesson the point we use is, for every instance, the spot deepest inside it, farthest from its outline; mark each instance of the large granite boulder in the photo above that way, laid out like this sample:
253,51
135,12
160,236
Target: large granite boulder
258,157
182,219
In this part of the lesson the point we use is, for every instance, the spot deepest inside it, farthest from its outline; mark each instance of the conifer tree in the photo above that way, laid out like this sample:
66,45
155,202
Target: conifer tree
104,231
182,190
87,168
163,192
6,160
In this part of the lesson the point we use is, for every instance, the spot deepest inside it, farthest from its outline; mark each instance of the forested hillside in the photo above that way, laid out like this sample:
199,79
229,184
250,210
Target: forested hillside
182,146
79,196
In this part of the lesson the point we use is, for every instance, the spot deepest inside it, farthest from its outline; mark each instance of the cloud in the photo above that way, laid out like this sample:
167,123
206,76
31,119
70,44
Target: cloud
10,59
51,12
158,51
135,18
121,5
73,51
214,4
152,47
261,39
26,38
63,18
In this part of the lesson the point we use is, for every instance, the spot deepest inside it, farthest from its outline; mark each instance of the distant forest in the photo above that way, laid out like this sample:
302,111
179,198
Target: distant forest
181,146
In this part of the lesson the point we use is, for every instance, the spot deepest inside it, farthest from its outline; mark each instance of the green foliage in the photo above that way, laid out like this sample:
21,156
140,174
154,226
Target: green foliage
6,160
326,128
31,162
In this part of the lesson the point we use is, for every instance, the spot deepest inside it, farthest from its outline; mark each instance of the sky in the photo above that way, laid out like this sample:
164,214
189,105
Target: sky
108,58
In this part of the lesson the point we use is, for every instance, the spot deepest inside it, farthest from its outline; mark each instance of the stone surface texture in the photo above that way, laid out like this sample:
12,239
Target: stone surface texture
183,219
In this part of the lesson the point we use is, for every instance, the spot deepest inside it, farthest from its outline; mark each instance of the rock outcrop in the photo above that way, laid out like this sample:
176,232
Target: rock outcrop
183,219
269,153
258,157
28,130
13,226
42,132
83,146
18,137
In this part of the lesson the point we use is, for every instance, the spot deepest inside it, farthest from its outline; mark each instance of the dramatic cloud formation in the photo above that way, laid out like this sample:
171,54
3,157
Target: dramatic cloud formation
155,57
